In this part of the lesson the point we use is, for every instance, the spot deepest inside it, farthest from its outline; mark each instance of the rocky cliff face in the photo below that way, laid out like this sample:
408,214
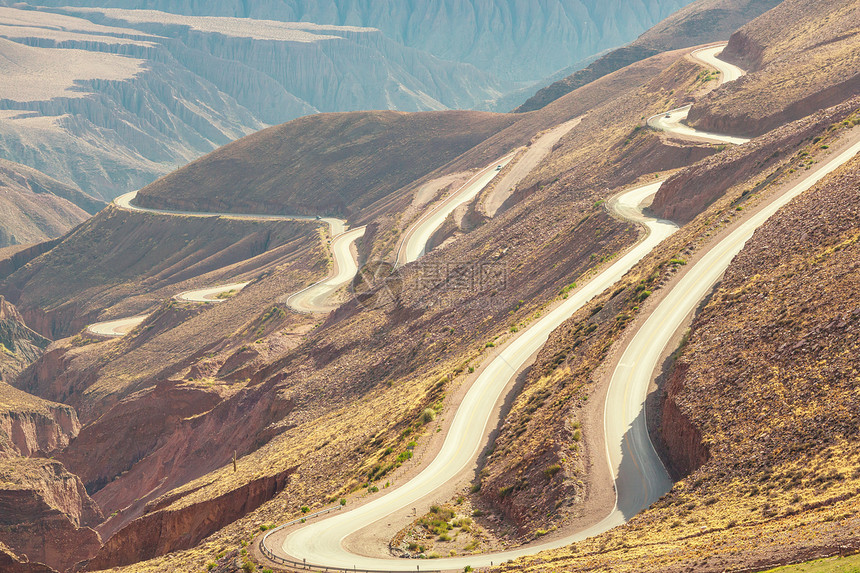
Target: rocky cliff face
30,426
45,513
127,101
19,346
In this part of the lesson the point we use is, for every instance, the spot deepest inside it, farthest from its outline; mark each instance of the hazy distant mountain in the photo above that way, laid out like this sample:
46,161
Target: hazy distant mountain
110,98
514,40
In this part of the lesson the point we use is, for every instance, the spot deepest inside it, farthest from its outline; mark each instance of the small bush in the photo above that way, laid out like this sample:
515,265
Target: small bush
305,509
210,566
552,470
577,435
342,501
427,416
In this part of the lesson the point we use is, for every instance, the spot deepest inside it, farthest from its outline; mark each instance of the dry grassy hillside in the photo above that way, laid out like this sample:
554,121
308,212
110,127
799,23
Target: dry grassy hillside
318,408
803,56
325,164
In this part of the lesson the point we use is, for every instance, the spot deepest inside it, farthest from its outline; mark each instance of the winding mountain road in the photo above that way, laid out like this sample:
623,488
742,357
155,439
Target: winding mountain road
318,296
671,121
314,298
640,478
413,245
321,543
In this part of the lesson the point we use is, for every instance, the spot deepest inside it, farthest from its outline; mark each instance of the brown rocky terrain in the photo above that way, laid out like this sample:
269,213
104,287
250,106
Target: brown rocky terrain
19,346
123,263
390,359
802,56
689,192
46,513
699,23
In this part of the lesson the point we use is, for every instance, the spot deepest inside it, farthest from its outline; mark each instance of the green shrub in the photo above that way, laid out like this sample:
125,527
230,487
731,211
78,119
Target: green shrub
343,501
305,509
552,470
427,416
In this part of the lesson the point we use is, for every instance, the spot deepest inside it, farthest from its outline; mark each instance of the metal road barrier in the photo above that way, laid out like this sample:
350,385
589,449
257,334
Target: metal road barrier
309,566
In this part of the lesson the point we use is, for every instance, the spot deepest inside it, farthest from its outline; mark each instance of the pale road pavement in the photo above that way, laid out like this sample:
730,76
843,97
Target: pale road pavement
122,326
671,121
414,243
640,478
210,294
116,328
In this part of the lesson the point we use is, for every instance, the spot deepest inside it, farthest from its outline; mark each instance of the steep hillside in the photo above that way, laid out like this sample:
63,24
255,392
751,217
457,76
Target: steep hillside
46,513
515,42
701,22
296,383
803,56
209,423
36,207
326,164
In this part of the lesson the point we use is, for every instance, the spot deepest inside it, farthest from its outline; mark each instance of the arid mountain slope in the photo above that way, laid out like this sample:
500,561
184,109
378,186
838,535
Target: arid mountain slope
701,22
121,263
46,513
319,408
278,387
390,360
326,164
35,207
803,56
